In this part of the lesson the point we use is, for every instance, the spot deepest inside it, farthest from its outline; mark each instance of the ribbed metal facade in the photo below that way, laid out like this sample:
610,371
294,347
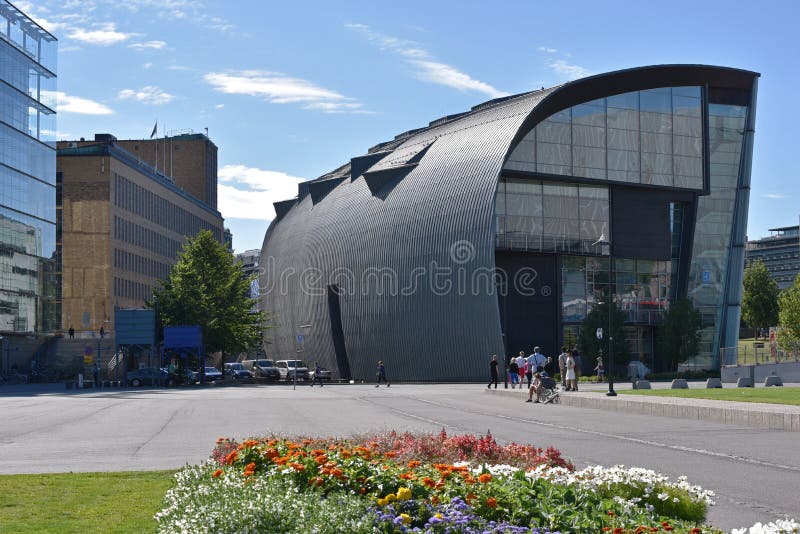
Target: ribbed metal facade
409,245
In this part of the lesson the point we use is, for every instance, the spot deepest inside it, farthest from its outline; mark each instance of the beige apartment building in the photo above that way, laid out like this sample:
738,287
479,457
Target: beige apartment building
121,225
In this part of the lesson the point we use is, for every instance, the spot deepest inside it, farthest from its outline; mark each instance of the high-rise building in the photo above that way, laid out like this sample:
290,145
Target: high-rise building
189,159
28,294
123,225
780,253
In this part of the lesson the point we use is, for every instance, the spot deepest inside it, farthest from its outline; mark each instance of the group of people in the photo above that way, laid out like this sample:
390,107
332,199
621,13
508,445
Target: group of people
534,369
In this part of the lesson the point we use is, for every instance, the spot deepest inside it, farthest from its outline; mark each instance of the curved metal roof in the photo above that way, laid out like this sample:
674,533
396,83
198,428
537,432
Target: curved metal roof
405,239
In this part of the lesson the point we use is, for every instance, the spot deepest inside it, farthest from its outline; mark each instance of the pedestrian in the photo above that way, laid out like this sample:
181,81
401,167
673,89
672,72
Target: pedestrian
493,372
172,373
530,368
578,365
71,333
381,373
562,365
571,381
536,387
317,371
102,332
600,370
96,375
513,371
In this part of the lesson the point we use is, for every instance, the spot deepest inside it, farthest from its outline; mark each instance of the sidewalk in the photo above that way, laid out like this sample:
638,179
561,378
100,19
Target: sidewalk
752,414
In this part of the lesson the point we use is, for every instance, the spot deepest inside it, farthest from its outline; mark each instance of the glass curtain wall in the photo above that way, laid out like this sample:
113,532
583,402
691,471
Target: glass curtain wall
648,137
713,228
550,217
28,282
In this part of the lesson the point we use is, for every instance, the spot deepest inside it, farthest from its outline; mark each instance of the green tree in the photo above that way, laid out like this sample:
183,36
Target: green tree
760,297
598,318
207,287
680,333
789,316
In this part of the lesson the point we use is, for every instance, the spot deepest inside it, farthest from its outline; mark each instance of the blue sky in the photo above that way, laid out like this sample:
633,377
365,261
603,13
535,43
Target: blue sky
291,90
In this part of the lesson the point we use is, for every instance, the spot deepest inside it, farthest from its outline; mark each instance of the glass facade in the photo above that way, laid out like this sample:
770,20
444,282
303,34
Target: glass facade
712,237
550,216
28,274
652,137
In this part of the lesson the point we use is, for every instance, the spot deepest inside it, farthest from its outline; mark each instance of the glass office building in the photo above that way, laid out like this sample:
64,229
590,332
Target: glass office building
28,285
500,229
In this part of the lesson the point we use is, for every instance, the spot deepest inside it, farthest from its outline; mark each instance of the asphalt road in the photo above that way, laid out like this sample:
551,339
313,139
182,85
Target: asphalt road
755,473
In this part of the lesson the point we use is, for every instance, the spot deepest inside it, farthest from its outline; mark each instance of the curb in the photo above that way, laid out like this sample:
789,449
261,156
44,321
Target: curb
751,414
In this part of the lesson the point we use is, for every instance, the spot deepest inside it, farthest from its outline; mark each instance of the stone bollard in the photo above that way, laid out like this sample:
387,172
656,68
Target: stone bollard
679,383
643,384
744,382
714,383
773,380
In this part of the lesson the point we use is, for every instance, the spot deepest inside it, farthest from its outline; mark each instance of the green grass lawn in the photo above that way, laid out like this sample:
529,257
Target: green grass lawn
773,395
82,502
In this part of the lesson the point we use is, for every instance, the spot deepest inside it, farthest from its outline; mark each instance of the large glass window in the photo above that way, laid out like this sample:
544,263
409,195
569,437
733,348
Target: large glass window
649,137
551,217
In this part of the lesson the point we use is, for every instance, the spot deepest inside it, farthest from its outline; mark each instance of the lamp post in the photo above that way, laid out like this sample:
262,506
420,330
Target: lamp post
602,241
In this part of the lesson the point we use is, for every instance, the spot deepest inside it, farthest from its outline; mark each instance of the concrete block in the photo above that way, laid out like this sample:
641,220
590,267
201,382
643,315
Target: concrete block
744,382
713,383
643,384
773,380
679,383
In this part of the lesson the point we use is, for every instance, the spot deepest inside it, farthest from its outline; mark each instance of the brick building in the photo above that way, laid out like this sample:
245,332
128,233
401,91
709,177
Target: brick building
121,226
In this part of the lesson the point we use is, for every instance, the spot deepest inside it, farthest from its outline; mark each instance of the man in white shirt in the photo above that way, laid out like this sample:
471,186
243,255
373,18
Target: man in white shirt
521,364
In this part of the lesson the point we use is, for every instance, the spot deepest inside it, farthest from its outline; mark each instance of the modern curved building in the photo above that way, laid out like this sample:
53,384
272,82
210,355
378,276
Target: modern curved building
490,231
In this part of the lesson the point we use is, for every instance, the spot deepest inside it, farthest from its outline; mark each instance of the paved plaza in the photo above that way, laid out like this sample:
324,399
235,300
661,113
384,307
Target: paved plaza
755,472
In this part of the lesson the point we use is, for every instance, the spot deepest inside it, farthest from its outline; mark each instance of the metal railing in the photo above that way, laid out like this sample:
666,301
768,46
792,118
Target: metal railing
757,354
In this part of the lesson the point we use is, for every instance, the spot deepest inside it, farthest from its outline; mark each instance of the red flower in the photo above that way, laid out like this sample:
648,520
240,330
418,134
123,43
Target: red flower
484,478
491,502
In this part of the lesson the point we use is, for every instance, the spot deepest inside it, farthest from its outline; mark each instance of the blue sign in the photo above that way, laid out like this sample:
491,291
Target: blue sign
706,277
300,338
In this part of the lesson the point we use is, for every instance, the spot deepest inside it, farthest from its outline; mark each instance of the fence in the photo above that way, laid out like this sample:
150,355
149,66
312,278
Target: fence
758,353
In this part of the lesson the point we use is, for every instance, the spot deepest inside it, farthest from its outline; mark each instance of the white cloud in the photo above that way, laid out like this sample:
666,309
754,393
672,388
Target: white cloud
147,65
547,50
219,106
104,35
426,66
278,88
148,45
248,192
568,70
74,104
150,94
774,196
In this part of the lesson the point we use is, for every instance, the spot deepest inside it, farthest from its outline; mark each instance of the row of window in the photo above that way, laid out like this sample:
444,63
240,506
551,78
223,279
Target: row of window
135,263
136,199
145,238
26,154
23,193
129,289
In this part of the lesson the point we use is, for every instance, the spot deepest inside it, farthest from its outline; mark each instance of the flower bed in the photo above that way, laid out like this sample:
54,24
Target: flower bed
393,482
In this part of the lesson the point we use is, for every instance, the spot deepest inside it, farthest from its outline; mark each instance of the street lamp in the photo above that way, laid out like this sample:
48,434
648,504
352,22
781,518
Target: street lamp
602,241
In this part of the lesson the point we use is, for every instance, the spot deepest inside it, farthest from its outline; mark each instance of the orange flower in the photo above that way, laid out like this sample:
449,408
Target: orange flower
321,459
336,472
469,498
610,513
362,490
217,473
619,530
491,502
271,453
695,530
414,463
428,482
297,467
484,478
231,457
316,481
307,442
435,500
606,529
390,454
406,476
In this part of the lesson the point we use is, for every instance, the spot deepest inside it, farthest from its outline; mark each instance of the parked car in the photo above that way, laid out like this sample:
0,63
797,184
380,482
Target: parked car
289,368
262,368
213,374
324,374
147,375
236,371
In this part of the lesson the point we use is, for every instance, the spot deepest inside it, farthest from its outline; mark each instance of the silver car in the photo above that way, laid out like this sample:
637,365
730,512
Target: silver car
289,368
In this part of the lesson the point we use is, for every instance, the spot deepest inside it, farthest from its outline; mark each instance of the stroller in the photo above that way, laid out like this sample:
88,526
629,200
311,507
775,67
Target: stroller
550,391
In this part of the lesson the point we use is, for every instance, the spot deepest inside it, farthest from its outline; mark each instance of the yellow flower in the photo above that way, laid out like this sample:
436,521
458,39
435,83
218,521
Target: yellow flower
391,497
403,494
438,516
406,518
382,502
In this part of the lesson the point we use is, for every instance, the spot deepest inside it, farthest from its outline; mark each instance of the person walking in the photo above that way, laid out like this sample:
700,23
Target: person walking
96,375
600,370
381,374
493,372
102,332
317,371
513,372
562,365
578,365
571,381
71,332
